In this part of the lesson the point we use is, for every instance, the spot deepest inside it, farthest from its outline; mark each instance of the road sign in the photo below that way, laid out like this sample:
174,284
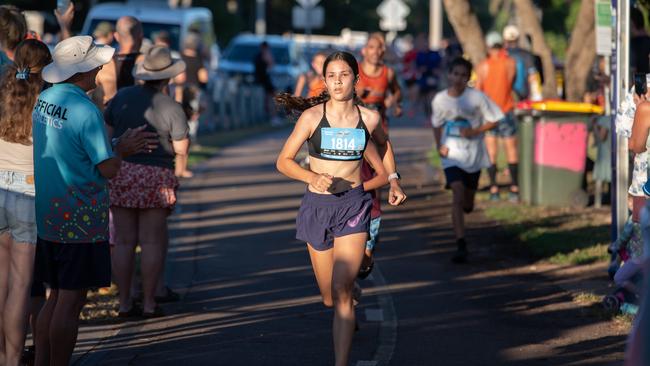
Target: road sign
603,10
308,18
393,15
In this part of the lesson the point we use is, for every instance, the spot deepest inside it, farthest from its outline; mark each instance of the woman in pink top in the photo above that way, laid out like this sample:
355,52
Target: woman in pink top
21,83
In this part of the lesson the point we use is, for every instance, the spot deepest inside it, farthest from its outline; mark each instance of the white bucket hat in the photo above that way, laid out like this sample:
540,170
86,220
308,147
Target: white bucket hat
75,55
158,64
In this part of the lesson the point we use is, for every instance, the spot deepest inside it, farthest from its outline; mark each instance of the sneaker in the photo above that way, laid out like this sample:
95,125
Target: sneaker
513,197
461,253
495,197
356,293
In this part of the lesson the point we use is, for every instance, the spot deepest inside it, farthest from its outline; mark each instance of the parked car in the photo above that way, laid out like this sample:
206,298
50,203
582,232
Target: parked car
237,60
156,17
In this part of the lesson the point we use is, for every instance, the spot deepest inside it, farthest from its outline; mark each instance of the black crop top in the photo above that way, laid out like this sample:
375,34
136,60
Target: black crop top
335,143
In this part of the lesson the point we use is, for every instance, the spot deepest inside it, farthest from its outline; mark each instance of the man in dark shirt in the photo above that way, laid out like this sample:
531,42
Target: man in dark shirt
263,63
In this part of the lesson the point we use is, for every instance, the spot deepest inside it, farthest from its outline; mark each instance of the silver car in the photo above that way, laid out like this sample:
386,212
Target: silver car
237,61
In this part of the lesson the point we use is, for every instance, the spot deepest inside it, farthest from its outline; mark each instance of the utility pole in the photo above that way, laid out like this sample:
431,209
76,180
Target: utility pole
435,24
620,85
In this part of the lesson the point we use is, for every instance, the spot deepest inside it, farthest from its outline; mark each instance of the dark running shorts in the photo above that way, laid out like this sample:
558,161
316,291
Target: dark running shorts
323,217
73,266
454,173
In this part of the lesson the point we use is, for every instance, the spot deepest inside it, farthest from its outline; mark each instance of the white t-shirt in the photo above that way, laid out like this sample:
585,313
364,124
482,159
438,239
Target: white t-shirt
470,109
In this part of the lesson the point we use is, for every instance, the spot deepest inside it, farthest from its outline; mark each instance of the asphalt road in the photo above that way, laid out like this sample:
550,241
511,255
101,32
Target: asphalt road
250,298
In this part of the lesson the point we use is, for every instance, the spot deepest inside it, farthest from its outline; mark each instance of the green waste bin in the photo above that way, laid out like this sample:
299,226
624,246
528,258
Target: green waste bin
553,137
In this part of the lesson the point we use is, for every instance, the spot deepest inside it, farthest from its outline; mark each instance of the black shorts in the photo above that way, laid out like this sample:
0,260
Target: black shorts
38,289
73,266
470,180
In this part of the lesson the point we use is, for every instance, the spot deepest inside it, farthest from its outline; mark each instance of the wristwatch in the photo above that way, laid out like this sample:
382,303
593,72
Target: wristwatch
394,176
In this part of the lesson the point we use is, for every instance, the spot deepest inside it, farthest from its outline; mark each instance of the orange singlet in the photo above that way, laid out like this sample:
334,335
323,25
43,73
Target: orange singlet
495,83
316,87
374,89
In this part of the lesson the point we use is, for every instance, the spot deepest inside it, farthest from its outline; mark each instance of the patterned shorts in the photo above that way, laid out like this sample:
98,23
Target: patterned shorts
143,186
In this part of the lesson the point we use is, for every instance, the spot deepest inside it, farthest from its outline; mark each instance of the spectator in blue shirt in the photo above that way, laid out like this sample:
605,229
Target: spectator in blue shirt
72,161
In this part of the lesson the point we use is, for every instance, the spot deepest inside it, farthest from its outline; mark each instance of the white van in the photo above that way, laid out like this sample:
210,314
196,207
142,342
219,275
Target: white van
157,16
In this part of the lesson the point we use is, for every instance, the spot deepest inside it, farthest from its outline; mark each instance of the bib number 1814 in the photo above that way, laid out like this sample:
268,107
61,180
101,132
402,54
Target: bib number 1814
343,143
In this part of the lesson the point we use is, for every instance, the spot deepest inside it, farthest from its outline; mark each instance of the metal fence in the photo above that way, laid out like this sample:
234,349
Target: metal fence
234,104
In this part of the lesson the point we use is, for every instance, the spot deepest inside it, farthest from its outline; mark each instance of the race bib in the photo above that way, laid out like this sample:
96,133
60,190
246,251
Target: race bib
342,143
453,128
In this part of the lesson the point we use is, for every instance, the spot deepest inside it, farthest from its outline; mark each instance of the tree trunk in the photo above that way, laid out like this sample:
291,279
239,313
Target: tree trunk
467,29
529,23
581,52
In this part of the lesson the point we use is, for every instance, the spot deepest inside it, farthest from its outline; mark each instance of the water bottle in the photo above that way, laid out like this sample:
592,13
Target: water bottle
62,5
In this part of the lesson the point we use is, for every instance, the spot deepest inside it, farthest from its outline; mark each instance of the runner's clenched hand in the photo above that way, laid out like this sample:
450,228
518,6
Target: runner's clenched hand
396,195
321,182
443,151
469,132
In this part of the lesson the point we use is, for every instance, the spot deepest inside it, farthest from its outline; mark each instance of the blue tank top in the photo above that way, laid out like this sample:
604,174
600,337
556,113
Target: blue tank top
334,143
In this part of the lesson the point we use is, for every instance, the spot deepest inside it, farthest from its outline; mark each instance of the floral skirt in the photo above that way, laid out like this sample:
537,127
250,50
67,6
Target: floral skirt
143,186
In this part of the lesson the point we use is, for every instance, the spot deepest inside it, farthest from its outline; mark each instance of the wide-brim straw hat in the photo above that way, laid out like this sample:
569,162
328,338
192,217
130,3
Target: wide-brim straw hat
76,55
158,64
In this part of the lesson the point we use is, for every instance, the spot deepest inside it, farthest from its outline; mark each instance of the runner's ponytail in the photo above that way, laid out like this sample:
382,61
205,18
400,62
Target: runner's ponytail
296,105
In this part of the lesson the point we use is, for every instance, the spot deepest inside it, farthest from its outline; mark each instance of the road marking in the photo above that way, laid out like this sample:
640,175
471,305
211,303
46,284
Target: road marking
388,326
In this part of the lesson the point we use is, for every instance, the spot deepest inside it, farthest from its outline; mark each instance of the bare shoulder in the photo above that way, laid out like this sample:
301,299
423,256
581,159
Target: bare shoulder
107,72
370,117
643,107
315,112
310,117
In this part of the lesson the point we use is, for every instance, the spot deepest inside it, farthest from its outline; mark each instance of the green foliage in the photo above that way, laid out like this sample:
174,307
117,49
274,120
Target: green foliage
558,19
557,43
572,16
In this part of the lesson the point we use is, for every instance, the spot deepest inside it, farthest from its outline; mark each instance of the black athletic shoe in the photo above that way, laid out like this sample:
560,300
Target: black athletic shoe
461,253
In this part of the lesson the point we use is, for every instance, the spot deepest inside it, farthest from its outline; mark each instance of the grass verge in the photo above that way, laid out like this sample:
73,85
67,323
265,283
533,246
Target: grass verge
591,306
557,235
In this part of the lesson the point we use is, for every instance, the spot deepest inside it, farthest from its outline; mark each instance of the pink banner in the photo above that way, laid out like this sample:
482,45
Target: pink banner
561,145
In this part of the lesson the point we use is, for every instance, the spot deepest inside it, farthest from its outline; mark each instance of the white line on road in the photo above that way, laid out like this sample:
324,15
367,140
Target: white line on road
388,327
